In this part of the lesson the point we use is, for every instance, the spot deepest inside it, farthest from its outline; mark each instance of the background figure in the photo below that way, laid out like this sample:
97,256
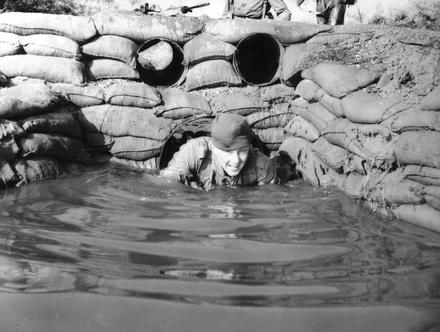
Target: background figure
332,11
257,9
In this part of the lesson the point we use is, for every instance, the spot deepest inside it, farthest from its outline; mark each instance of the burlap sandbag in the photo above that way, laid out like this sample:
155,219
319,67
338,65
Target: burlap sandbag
8,149
432,101
354,164
271,137
308,90
26,100
8,177
59,147
136,94
300,127
135,148
421,215
291,63
125,121
339,80
333,155
276,93
210,74
353,184
140,27
100,69
373,143
419,148
206,47
51,45
319,116
238,103
52,69
432,196
37,169
232,31
78,28
362,107
112,47
98,142
278,116
413,119
150,164
10,129
61,121
178,104
429,176
80,95
9,44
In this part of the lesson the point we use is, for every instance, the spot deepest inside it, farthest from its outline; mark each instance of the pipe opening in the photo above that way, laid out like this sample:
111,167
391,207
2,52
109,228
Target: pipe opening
160,62
257,59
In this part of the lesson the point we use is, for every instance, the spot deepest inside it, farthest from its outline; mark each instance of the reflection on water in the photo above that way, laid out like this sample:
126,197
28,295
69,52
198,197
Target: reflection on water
120,232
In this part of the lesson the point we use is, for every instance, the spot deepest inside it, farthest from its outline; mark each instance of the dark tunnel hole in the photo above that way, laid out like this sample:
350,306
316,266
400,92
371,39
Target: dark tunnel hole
172,75
257,59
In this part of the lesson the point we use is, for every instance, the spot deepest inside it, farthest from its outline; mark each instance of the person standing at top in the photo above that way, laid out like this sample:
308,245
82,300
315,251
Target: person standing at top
331,12
256,9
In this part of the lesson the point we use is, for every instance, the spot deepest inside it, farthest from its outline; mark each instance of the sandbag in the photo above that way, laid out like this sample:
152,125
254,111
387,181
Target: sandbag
300,127
98,142
278,116
36,169
419,148
339,80
10,129
238,103
432,101
276,94
317,115
156,57
333,155
232,31
210,74
78,28
271,137
362,107
422,174
135,148
150,164
354,185
61,121
421,215
178,104
26,100
9,44
140,27
99,69
52,69
354,164
308,90
51,45
80,95
8,177
373,143
205,47
112,47
125,121
8,149
59,147
291,63
332,104
432,196
413,119
134,94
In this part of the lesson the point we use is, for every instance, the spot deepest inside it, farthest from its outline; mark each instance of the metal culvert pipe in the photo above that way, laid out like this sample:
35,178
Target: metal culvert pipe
257,59
157,70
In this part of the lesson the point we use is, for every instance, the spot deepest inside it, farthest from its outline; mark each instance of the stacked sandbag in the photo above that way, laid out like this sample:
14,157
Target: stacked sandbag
179,105
38,134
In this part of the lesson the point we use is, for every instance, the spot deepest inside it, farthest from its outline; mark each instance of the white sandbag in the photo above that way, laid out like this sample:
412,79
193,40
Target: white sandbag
300,127
278,116
235,103
156,57
100,69
135,148
150,164
421,215
52,69
292,62
51,45
419,148
125,121
339,80
353,184
232,31
78,28
276,94
140,27
319,116
37,169
432,101
9,44
136,94
362,107
80,95
333,155
432,196
429,176
25,100
308,90
210,74
112,47
178,104
206,47
413,119
271,137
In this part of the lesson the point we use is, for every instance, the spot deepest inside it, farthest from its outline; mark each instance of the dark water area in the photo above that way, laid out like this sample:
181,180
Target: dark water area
117,249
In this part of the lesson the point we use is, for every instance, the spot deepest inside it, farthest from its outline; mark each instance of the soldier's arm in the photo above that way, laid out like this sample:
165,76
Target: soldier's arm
281,9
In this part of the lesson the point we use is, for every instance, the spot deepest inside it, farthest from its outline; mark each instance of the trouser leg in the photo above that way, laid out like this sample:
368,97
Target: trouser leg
321,5
337,14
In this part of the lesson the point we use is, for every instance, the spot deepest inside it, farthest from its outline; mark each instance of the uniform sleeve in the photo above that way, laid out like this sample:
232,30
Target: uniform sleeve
185,162
280,7
265,169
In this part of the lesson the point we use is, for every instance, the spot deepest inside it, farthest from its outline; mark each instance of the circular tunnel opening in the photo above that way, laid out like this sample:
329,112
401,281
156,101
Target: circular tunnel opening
172,75
257,59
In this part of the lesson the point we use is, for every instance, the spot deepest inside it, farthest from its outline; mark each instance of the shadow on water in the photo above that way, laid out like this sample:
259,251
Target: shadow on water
126,233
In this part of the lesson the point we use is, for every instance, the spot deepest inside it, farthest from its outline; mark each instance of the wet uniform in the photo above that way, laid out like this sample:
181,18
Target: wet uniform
193,165
255,8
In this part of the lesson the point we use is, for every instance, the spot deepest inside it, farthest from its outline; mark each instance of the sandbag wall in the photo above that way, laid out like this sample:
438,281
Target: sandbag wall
381,150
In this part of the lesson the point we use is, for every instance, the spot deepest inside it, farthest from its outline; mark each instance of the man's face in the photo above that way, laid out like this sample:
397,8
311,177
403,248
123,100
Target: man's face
232,162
